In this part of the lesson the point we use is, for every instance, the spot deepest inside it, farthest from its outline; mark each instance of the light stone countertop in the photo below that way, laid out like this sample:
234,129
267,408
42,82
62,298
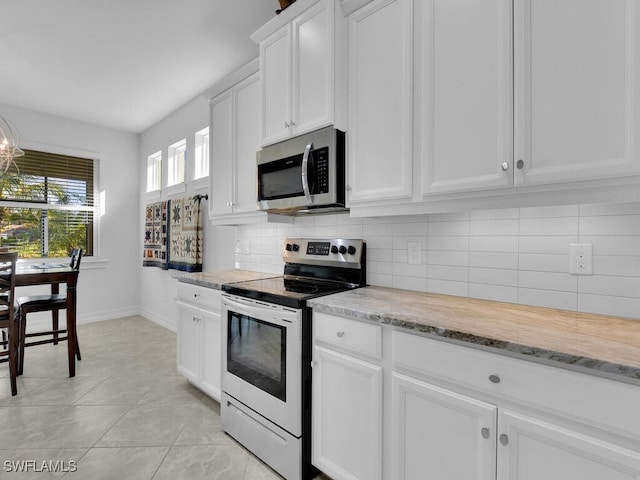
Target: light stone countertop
216,279
595,344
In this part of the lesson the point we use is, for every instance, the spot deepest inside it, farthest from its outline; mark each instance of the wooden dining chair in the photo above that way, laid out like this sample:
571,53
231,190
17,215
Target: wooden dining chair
9,315
53,302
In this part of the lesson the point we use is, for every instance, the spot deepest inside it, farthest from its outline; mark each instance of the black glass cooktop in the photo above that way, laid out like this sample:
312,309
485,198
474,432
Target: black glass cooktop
285,290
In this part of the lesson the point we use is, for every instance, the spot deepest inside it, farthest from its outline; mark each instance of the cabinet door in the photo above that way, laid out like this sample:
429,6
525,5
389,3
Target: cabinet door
275,69
380,102
189,342
347,416
247,142
211,351
464,89
530,449
312,80
440,434
221,154
577,89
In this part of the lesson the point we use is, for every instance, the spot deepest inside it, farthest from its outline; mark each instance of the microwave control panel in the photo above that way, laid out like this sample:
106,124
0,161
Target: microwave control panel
321,170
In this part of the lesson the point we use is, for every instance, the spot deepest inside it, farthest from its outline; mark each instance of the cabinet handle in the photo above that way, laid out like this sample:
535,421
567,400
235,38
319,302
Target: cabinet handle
520,164
504,439
505,166
293,124
485,432
286,125
494,378
340,334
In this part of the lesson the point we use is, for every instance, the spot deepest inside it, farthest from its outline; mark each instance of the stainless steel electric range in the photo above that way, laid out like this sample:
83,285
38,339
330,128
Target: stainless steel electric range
266,358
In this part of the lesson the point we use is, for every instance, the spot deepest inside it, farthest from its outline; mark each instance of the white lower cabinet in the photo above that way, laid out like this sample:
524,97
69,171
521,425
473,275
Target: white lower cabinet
440,434
199,337
452,412
532,449
347,411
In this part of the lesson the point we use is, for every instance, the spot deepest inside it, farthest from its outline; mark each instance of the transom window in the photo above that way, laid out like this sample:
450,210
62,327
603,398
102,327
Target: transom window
201,160
176,162
154,172
47,205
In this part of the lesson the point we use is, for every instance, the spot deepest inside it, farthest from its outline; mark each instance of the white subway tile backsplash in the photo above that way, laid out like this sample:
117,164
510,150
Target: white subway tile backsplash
602,304
560,282
552,245
625,266
548,298
457,244
610,225
494,214
493,260
455,258
446,287
499,293
544,262
493,276
550,212
613,245
494,244
410,283
549,226
518,255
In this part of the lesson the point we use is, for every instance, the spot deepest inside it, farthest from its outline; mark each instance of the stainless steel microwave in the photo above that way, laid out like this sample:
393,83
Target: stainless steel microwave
304,174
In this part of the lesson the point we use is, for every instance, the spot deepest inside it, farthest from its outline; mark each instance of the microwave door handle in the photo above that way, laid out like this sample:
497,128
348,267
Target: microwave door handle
305,179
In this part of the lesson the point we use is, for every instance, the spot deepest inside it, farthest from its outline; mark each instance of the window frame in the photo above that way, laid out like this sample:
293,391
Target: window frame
154,165
201,150
93,210
176,166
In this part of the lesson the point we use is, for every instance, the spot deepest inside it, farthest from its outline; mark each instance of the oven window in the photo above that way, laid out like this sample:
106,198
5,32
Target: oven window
280,178
257,353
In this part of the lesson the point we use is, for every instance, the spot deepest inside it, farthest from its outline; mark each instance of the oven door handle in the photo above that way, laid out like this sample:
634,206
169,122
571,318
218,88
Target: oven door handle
252,309
305,168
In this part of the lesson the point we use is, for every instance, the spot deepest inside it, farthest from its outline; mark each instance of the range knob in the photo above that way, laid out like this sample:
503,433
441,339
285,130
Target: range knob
342,249
288,247
351,250
296,247
334,249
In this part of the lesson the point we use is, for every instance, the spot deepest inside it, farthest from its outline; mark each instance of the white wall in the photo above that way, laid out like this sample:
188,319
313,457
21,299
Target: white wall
512,255
110,290
158,287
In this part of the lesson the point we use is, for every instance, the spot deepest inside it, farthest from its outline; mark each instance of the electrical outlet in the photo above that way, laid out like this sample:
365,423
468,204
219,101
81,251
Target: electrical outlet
581,258
414,252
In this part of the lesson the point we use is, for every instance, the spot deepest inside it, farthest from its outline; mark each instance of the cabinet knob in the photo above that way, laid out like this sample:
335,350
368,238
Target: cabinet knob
494,378
520,164
505,166
485,432
340,334
504,439
196,295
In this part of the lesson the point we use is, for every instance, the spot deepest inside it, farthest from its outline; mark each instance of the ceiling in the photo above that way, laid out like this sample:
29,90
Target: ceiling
122,64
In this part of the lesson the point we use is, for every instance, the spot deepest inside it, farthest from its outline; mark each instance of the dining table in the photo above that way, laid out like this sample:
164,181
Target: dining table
28,274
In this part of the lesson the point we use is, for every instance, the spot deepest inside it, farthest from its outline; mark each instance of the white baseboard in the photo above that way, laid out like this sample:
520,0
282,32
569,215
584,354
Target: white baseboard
166,322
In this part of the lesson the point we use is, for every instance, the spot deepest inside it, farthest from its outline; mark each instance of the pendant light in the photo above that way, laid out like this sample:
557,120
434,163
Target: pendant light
9,139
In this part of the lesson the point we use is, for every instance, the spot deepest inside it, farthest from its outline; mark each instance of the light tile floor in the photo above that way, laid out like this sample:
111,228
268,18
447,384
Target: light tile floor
127,414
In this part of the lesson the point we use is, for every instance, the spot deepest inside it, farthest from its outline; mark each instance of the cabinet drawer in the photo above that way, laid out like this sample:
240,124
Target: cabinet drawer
358,337
597,401
204,297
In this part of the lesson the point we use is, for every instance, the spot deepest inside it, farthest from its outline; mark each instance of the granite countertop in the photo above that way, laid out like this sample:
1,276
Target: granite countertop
596,344
216,279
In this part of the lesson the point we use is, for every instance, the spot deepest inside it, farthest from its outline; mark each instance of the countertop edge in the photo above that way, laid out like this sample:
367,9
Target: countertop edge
580,364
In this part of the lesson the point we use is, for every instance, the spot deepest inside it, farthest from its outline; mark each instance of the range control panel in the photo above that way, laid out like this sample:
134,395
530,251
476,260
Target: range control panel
323,251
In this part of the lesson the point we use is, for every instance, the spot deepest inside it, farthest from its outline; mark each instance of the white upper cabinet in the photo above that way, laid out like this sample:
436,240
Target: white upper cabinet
577,89
464,90
302,67
380,102
234,141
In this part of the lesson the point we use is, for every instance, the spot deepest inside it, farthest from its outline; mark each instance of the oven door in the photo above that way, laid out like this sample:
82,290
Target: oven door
262,359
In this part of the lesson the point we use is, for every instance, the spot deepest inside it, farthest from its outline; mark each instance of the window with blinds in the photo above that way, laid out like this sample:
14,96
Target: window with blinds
47,205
